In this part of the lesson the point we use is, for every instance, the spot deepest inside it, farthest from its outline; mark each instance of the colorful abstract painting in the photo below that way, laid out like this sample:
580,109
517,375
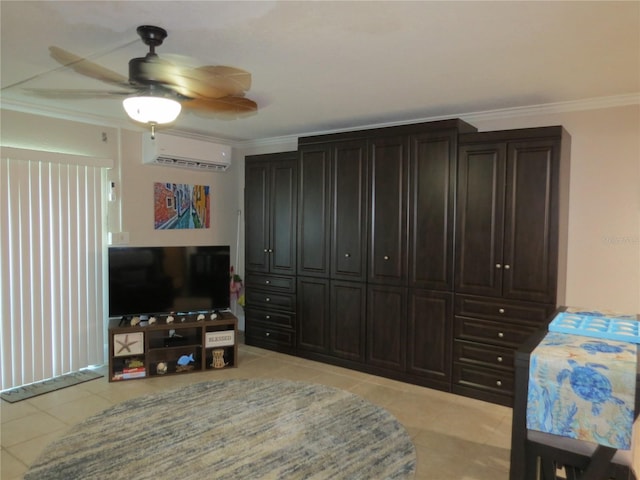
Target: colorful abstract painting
181,206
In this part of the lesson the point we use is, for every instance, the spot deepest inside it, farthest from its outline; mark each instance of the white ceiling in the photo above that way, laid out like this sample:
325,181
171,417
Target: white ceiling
325,66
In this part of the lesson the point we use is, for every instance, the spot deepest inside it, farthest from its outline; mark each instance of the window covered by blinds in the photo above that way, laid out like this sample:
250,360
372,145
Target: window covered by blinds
51,264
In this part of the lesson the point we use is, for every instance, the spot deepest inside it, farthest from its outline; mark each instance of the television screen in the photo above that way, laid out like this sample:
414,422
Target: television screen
154,280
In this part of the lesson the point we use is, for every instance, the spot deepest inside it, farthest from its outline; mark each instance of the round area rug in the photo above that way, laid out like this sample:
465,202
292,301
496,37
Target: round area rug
235,429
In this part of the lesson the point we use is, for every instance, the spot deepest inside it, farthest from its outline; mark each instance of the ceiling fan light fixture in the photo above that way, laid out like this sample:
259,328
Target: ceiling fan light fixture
152,109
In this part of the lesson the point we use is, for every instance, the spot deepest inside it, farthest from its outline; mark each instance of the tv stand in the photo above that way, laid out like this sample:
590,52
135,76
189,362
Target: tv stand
164,349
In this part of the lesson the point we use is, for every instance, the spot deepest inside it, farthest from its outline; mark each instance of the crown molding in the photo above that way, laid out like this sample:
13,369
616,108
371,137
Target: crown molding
503,113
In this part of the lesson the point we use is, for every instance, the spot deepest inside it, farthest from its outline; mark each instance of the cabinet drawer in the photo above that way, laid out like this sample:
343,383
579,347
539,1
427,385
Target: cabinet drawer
487,379
483,355
492,332
269,337
502,309
267,299
279,319
271,282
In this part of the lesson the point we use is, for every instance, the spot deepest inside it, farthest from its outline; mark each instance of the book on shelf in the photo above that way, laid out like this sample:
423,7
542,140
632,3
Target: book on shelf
128,373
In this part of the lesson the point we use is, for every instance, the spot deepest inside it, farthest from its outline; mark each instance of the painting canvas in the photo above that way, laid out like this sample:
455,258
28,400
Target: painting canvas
180,206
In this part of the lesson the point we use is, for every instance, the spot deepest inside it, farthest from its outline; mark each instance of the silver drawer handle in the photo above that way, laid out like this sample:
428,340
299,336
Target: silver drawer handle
501,310
386,257
507,267
499,383
267,317
267,299
498,265
267,282
499,359
500,335
265,250
267,334
347,255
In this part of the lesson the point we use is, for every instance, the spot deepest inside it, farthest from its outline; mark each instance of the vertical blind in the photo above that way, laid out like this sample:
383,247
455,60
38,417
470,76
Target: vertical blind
51,239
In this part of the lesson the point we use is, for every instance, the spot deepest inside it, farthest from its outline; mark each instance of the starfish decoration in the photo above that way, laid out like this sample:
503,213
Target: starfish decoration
126,345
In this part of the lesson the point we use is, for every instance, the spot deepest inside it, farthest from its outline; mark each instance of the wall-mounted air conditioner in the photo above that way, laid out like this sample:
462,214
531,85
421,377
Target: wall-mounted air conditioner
183,152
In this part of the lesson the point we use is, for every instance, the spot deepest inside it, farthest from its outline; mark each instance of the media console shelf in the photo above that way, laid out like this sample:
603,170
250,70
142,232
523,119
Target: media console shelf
184,345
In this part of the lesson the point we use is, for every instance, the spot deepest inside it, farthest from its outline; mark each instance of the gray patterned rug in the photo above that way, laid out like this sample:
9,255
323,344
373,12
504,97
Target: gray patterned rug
25,392
235,429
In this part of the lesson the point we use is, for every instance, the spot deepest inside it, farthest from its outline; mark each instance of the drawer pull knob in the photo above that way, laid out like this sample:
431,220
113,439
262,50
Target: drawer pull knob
507,267
347,255
265,250
267,299
386,257
268,317
499,359
267,282
498,265
500,335
501,310
271,250
499,383
268,334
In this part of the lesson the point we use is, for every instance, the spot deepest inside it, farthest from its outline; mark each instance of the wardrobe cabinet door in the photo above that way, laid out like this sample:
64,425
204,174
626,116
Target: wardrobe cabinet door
348,313
432,174
386,327
257,210
314,195
480,225
349,211
531,221
313,314
283,217
388,158
429,335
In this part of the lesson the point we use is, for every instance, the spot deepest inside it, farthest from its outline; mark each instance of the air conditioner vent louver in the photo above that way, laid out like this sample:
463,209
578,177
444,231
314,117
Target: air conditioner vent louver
182,152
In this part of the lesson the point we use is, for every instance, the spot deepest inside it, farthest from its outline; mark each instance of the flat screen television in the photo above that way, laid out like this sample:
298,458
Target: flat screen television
156,280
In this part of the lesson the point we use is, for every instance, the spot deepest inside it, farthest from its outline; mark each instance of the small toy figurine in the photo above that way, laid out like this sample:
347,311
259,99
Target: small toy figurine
161,368
200,318
184,363
170,319
135,321
185,360
152,320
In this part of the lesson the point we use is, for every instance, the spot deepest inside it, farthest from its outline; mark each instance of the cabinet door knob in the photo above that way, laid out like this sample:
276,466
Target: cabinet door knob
267,317
271,250
507,267
265,250
500,335
501,310
386,257
267,282
499,383
499,359
267,299
498,265
268,334
347,255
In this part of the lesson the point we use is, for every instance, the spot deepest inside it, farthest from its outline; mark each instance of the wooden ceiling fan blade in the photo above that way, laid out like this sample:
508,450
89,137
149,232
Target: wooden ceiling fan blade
87,68
227,106
190,82
76,94
241,78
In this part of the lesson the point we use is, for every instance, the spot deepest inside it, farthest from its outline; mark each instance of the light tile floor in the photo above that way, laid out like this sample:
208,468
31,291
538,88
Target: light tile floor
455,437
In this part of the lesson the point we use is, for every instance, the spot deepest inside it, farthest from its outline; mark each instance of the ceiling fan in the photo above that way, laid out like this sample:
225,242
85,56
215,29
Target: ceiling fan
153,80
